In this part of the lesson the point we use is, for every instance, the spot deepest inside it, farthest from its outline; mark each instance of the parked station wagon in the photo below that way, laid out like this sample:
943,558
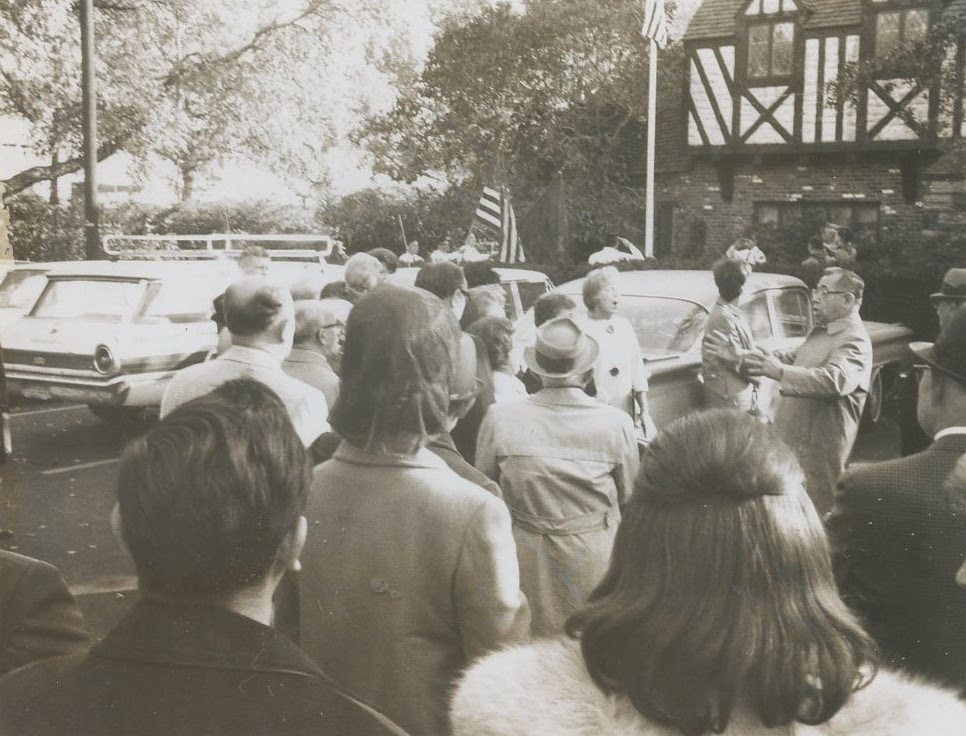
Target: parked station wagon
111,335
668,311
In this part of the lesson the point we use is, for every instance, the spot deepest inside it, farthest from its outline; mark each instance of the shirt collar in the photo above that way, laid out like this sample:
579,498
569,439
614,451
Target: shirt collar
250,356
562,396
168,633
423,458
948,431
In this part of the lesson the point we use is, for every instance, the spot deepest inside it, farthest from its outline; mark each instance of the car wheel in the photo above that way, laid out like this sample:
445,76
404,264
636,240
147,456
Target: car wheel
875,401
124,416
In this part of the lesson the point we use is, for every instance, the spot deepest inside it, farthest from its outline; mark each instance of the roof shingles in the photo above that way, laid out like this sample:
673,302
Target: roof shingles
717,18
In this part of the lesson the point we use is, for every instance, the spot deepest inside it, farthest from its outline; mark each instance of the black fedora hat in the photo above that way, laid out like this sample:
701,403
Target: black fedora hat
953,288
948,353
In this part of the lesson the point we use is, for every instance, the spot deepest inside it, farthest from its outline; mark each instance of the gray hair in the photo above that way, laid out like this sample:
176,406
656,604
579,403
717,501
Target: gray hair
597,280
362,271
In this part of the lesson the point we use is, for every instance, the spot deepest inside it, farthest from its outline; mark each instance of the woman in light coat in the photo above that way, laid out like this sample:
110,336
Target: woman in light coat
718,614
409,571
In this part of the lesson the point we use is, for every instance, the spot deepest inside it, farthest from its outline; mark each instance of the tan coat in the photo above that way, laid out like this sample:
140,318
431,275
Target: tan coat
823,391
409,572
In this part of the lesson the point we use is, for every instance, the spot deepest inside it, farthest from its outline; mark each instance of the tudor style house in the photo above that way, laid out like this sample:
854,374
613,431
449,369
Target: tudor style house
759,138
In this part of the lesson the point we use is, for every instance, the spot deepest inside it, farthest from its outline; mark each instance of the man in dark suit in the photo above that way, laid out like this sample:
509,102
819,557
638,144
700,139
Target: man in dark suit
210,508
899,539
38,615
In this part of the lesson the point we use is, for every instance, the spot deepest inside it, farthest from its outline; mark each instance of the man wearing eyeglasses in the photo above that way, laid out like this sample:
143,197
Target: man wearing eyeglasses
823,384
317,348
898,532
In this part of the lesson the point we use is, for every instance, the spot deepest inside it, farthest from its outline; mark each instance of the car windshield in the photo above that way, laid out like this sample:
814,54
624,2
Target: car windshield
530,291
20,289
664,327
89,299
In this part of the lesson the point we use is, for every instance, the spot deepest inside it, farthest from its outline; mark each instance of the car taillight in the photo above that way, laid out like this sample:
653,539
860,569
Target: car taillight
104,360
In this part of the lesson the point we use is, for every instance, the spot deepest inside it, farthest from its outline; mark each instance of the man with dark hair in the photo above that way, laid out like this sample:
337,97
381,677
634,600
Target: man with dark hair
388,259
898,535
210,506
261,318
823,384
480,273
447,281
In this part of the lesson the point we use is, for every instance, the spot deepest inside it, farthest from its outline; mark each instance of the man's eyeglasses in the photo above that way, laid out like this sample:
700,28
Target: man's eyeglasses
340,325
825,291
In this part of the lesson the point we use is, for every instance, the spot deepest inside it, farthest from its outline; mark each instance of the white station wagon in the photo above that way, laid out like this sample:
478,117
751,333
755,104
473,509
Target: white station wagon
111,335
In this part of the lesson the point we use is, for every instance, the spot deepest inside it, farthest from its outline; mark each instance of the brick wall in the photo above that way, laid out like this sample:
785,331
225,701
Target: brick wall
696,196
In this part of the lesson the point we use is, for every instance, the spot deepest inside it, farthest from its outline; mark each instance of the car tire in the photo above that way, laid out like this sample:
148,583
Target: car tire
124,416
875,401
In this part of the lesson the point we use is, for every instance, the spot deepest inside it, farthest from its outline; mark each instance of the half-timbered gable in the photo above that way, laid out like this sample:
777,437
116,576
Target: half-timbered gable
794,107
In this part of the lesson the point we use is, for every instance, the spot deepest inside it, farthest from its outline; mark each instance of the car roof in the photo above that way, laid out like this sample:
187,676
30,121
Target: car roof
407,275
126,270
693,286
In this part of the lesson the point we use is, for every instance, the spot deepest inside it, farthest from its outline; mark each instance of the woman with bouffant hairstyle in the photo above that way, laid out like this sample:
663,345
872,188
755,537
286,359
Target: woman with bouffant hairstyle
718,613
397,366
410,571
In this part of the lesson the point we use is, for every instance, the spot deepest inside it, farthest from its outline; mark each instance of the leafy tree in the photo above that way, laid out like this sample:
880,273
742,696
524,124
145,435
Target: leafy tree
518,96
188,80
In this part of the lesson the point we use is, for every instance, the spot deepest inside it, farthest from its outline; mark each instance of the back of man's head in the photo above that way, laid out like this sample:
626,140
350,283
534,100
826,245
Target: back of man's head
257,308
388,259
207,497
442,279
362,272
550,305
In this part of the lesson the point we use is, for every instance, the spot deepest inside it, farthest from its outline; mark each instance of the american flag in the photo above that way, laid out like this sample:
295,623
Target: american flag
655,22
495,212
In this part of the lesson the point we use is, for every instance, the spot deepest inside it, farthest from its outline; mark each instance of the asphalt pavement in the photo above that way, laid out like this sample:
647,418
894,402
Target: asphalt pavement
58,488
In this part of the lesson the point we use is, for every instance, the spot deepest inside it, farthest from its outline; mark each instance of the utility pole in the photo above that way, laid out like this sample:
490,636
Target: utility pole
92,237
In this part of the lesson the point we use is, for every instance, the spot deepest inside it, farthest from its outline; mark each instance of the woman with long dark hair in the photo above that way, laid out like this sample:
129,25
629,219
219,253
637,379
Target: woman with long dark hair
409,571
718,613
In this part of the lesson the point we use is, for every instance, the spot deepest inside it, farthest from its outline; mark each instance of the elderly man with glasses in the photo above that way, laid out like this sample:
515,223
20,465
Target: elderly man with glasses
316,356
823,384
898,529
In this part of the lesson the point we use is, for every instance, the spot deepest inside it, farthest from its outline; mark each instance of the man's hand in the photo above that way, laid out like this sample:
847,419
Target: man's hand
762,364
720,346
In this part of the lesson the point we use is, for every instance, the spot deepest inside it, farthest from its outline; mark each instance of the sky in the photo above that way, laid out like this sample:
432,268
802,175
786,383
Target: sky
237,179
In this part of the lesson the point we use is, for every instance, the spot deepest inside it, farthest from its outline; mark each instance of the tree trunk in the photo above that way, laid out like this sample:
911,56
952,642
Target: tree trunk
187,183
54,194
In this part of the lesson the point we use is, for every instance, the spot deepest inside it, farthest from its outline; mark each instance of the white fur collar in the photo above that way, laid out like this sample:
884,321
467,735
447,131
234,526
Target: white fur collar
544,689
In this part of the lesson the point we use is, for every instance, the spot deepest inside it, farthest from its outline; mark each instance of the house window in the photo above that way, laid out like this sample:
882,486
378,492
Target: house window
897,28
861,217
770,48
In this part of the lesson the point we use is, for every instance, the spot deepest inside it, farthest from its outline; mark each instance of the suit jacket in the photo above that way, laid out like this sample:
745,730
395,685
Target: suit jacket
168,670
38,615
312,368
409,572
897,545
723,385
544,688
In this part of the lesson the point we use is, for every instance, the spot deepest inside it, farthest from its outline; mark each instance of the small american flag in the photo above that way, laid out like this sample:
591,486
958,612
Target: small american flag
655,22
495,212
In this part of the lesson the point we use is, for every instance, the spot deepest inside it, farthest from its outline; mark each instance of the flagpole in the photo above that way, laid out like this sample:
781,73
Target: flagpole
651,133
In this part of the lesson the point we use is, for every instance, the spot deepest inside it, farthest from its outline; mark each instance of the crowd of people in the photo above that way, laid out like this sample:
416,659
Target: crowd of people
360,518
